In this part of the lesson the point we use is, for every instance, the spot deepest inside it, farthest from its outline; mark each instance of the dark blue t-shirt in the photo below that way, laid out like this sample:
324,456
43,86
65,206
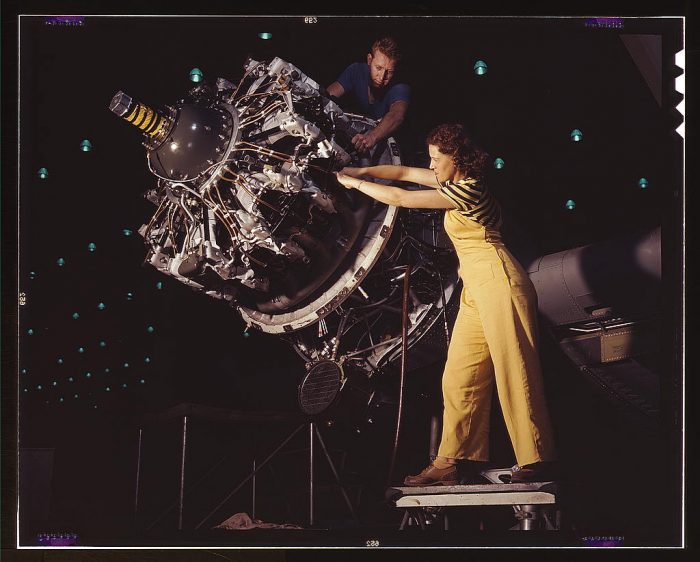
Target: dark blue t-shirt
355,80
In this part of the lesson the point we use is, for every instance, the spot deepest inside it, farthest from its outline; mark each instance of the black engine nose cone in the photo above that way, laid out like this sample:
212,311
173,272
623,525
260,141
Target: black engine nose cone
196,142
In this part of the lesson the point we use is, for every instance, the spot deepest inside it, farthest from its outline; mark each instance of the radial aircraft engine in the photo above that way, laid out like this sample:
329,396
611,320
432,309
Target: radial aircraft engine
248,210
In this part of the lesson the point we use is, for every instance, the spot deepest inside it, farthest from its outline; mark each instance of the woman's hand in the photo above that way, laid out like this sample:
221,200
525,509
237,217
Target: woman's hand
346,180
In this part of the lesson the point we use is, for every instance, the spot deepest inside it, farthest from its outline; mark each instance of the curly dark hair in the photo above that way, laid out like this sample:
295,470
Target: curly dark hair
451,139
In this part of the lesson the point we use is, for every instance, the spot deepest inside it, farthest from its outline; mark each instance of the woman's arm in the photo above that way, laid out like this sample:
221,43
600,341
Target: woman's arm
421,199
422,176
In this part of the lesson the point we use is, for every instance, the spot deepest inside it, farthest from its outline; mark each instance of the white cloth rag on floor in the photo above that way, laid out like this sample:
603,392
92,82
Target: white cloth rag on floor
242,522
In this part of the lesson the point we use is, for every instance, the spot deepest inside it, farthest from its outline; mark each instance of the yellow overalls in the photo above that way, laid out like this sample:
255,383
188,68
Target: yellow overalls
494,339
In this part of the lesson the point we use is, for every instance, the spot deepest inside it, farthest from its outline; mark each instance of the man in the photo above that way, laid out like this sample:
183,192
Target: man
370,85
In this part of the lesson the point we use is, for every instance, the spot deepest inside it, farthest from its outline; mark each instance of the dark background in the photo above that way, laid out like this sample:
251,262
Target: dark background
545,77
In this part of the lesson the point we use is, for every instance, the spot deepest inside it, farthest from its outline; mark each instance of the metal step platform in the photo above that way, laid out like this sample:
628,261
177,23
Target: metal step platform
534,503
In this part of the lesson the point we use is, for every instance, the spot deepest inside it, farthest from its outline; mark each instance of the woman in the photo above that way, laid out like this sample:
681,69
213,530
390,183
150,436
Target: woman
494,338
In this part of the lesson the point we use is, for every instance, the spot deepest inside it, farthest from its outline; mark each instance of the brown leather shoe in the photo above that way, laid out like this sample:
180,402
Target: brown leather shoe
432,476
535,472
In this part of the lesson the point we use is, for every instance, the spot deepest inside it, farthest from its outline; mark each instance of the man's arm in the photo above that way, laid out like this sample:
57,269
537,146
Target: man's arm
389,123
335,90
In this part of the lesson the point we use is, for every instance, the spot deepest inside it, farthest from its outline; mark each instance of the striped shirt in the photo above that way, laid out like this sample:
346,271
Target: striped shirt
474,201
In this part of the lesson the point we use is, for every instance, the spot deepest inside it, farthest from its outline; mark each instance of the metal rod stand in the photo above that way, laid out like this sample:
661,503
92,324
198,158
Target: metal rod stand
335,474
138,475
251,475
181,500
311,474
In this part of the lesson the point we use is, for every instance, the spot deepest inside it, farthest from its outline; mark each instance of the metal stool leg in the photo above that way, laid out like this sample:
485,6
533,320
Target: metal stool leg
527,516
420,516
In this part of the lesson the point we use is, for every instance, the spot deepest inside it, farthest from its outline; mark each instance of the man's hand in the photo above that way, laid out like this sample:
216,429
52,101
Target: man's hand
363,142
